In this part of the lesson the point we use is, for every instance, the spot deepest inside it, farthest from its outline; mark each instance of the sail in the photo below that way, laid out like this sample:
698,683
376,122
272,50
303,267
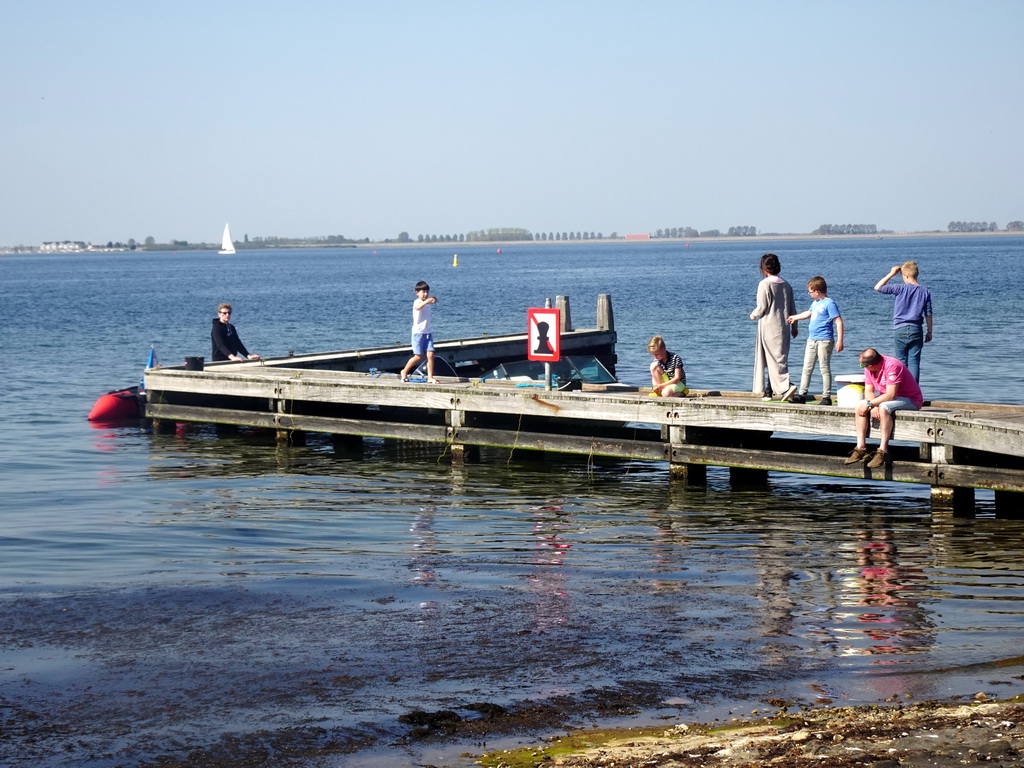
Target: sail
226,245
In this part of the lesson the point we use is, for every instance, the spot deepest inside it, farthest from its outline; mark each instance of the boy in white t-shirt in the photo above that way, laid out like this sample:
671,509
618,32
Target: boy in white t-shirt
422,333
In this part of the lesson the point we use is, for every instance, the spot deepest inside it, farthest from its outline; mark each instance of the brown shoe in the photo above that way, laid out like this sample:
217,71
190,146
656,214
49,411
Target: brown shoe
857,454
880,458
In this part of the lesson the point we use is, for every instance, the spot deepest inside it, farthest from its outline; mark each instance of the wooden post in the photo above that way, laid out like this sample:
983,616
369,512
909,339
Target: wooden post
347,443
748,479
164,426
1010,504
562,304
460,452
958,502
946,500
291,437
681,471
465,454
688,474
605,317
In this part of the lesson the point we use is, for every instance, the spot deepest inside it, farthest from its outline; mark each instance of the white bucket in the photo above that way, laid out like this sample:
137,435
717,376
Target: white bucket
850,378
850,395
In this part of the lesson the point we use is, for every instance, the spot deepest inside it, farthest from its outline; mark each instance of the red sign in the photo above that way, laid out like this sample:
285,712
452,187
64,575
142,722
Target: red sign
543,333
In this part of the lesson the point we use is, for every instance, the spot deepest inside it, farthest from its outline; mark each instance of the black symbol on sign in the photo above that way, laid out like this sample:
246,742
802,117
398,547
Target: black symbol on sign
543,345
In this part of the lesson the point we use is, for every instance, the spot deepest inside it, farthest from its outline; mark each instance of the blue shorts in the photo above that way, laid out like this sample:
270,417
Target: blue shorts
422,343
899,404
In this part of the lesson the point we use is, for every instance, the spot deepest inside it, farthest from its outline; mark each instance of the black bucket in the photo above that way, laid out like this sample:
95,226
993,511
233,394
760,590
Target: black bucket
194,363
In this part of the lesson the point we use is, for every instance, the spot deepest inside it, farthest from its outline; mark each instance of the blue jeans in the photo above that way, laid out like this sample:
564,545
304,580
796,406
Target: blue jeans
909,339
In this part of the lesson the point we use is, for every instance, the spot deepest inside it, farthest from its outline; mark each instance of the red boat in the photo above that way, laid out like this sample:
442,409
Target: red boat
121,405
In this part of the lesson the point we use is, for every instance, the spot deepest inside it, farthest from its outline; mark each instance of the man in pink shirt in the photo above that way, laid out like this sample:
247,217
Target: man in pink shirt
888,387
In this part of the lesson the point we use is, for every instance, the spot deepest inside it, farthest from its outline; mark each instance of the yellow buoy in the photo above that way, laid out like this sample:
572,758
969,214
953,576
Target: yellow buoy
455,261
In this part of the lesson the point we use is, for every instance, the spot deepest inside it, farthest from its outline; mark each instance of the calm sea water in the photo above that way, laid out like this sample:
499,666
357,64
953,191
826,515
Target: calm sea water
158,593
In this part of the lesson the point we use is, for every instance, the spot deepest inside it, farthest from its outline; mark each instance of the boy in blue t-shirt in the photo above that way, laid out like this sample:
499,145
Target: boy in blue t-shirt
826,334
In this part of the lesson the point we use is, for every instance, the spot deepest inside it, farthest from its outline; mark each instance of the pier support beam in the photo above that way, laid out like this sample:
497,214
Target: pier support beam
1010,505
465,454
347,443
291,437
680,471
742,478
689,474
460,452
958,502
164,427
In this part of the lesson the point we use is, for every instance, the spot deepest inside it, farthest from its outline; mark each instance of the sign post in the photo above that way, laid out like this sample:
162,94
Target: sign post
544,339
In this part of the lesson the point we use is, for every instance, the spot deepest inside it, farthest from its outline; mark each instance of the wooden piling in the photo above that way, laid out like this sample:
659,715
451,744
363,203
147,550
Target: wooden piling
957,502
747,479
1009,504
605,316
562,304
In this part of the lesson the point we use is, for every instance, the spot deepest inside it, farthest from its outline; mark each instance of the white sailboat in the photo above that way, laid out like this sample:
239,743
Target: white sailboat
226,244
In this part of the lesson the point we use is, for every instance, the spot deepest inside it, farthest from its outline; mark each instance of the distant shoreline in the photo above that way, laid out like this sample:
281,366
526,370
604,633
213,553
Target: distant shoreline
24,250
656,240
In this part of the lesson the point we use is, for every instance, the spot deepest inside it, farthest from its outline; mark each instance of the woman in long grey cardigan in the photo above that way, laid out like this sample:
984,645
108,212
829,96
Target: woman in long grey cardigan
771,349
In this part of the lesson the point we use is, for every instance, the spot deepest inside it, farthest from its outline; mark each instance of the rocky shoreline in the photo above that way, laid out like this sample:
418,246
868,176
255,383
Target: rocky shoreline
983,733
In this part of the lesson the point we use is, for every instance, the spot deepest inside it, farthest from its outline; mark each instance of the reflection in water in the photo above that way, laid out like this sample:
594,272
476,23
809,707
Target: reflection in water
419,584
548,579
880,602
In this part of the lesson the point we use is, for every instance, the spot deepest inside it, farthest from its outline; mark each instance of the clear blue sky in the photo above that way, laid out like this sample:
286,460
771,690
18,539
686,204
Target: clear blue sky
307,117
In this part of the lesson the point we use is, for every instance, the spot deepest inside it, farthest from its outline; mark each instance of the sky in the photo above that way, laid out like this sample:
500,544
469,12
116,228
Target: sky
366,119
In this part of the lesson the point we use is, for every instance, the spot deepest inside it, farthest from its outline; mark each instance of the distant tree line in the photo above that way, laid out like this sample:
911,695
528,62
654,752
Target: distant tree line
571,236
1015,226
498,234
846,229
278,242
677,232
441,239
973,226
506,234
690,232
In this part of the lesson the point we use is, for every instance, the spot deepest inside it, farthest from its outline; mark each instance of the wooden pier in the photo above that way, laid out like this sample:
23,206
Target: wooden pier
952,447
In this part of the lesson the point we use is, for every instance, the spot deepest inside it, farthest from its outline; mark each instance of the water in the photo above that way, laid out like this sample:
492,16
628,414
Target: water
160,592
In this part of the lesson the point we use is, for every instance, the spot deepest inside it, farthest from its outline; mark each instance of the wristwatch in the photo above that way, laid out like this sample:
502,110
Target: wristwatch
870,404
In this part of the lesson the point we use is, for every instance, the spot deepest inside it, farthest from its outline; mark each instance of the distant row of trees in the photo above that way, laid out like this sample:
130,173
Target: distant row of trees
278,242
574,236
972,226
846,229
503,234
496,234
512,234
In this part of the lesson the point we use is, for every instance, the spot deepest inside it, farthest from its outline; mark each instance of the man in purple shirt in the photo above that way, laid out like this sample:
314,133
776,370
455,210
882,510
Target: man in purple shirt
888,387
912,309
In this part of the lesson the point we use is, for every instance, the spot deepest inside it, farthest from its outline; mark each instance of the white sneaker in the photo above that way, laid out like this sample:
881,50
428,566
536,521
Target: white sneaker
788,394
